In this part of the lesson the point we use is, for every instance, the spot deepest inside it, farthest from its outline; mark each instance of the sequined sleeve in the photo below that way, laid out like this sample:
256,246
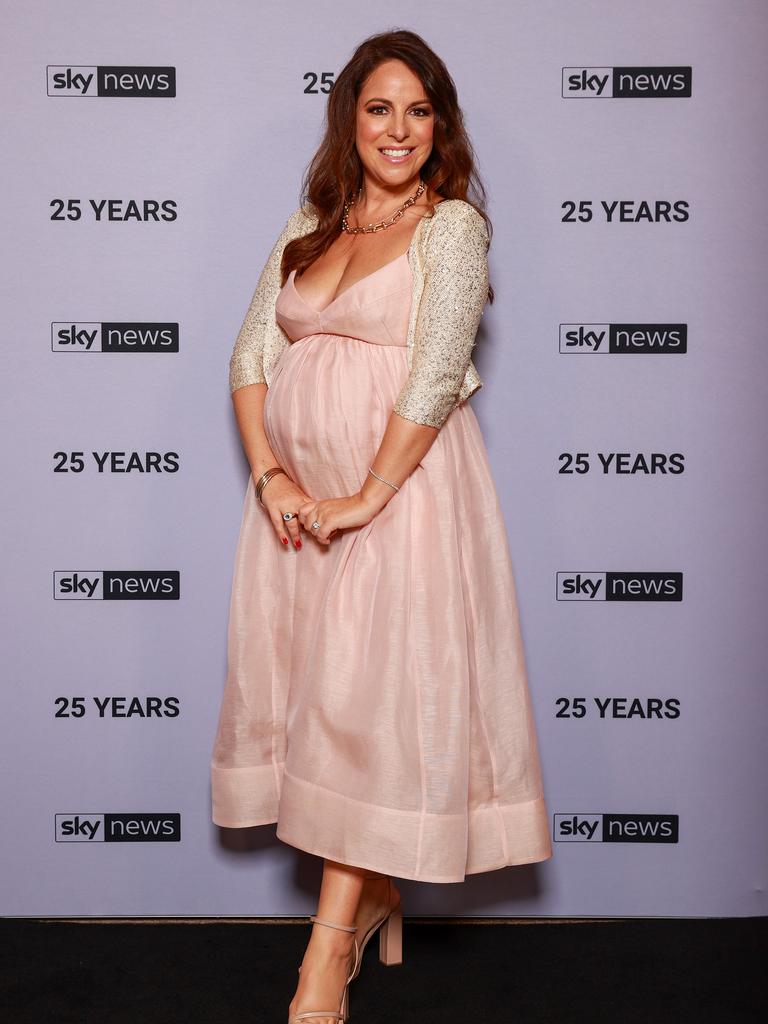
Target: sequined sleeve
455,292
246,362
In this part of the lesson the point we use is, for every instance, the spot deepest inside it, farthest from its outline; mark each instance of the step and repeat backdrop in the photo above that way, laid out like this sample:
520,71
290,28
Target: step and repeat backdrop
153,153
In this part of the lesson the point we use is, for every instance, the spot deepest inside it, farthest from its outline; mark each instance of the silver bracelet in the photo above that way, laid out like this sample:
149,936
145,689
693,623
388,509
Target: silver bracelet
394,486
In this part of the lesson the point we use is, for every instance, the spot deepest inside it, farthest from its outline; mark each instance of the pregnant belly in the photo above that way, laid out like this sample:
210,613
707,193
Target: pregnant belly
327,408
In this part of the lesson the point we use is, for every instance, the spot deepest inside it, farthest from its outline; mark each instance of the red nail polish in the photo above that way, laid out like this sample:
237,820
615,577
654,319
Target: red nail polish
284,540
298,542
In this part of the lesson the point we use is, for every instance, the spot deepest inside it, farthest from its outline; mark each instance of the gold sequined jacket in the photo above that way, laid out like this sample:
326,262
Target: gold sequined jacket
449,265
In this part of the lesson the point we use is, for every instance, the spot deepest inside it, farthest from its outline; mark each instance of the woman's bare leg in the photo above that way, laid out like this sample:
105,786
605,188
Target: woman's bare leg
374,901
330,952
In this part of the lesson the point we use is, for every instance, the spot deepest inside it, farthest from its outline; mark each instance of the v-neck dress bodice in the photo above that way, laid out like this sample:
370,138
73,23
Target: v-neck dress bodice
376,705
335,385
374,309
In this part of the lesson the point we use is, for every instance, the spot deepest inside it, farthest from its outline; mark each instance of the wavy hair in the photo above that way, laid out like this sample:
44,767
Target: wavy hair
335,173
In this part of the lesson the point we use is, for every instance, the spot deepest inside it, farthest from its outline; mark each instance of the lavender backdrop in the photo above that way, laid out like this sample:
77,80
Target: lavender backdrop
235,117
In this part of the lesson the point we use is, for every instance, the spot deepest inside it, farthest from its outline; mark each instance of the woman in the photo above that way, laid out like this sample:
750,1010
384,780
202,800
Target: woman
376,704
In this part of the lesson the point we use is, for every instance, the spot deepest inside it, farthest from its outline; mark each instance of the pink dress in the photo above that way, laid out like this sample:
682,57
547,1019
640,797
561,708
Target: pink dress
376,705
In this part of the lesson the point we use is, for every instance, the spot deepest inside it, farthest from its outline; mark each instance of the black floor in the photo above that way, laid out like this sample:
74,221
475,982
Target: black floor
654,971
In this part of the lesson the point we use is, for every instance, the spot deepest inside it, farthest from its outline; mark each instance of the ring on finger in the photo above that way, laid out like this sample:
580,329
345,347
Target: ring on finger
315,525
288,516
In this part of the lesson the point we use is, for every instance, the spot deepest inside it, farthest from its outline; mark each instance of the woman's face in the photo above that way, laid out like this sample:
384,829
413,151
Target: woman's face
395,122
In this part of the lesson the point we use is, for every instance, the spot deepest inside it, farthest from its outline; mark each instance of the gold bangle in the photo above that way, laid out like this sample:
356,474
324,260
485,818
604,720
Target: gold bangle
393,486
265,478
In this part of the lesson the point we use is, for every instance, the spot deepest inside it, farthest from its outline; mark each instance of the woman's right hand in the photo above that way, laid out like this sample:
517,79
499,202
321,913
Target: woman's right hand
281,495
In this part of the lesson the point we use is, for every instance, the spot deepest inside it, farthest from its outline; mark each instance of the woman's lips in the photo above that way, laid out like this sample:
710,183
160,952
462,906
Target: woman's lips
396,159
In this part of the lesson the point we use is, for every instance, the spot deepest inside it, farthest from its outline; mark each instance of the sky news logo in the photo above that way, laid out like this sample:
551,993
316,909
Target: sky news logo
86,80
135,336
616,828
619,586
623,339
116,585
145,827
643,82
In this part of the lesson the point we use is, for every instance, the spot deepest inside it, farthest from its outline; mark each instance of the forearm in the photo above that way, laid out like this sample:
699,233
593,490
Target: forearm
402,448
248,403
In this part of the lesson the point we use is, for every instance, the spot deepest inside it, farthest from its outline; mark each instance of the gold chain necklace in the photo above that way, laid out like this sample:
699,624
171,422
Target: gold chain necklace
387,222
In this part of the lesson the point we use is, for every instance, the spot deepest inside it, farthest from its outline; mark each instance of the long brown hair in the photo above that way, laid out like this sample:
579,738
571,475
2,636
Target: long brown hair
336,171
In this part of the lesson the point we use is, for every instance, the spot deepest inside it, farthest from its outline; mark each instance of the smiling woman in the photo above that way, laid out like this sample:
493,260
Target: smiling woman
376,705
397,154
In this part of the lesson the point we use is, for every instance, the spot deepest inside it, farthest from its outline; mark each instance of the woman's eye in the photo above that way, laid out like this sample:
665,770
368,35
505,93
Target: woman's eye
416,110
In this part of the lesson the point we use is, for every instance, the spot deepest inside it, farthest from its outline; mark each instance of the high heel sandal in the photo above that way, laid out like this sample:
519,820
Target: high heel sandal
390,936
343,1011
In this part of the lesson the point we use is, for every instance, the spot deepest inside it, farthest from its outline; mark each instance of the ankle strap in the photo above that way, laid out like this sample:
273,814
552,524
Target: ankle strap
332,924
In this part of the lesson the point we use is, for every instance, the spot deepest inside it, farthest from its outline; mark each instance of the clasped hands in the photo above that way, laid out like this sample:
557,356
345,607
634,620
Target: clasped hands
282,495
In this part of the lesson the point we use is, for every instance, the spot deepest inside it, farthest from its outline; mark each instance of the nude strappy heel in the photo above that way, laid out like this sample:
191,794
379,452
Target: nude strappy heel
343,1011
390,935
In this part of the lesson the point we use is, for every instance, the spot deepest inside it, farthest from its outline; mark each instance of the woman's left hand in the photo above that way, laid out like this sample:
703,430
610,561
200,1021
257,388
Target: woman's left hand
334,514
